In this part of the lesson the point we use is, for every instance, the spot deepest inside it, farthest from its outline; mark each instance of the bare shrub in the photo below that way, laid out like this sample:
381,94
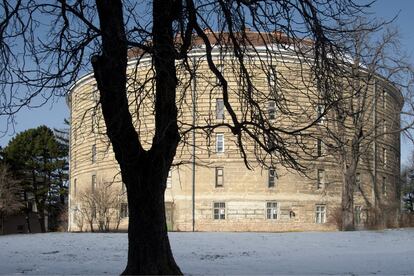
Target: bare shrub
407,220
100,207
79,220
335,217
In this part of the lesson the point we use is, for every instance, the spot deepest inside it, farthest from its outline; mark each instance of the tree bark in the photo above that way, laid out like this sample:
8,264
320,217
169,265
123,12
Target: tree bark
149,248
144,172
27,213
348,200
41,219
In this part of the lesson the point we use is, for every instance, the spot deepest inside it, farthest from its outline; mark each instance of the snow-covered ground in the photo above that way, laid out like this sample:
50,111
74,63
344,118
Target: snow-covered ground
380,252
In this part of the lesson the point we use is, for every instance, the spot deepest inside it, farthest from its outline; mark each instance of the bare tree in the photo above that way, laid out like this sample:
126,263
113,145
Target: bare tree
168,32
100,206
79,219
354,128
10,195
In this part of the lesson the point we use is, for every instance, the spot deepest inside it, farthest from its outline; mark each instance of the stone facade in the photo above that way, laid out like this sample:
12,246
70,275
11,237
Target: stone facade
227,195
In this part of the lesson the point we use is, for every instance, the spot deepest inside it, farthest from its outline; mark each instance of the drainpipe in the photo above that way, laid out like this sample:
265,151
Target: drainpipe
194,87
69,102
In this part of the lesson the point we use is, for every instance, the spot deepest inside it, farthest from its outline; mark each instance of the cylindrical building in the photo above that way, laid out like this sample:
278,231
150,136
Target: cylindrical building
210,188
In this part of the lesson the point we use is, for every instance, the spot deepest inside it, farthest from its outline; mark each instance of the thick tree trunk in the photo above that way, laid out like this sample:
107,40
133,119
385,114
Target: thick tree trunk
27,213
41,218
149,249
348,200
144,172
91,225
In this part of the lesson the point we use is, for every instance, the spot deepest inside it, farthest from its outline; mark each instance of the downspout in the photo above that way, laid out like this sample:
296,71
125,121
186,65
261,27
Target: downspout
194,87
70,215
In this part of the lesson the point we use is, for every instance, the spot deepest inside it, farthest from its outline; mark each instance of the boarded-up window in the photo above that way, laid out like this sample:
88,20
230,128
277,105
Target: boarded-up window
219,177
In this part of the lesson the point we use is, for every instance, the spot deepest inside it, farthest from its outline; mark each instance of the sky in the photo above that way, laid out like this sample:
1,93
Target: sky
387,9
53,113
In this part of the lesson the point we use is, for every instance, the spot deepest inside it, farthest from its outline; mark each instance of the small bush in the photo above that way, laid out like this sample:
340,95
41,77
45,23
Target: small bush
335,217
407,220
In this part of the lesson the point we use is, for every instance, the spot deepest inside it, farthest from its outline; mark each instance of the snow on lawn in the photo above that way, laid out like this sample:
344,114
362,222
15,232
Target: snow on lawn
379,252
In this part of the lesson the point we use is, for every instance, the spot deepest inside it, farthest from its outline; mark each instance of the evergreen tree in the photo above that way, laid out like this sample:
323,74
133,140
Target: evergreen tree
40,162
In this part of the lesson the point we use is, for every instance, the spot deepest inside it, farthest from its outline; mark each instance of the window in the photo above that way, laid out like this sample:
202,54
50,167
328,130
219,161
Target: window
358,180
321,116
320,216
271,210
219,142
384,128
219,210
319,147
219,109
272,77
357,214
384,157
93,153
271,181
219,177
384,185
74,187
93,121
169,179
384,98
271,142
123,212
271,110
93,183
220,68
320,179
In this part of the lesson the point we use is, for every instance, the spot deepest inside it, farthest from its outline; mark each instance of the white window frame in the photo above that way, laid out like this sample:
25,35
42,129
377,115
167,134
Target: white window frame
320,213
219,136
219,210
272,210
